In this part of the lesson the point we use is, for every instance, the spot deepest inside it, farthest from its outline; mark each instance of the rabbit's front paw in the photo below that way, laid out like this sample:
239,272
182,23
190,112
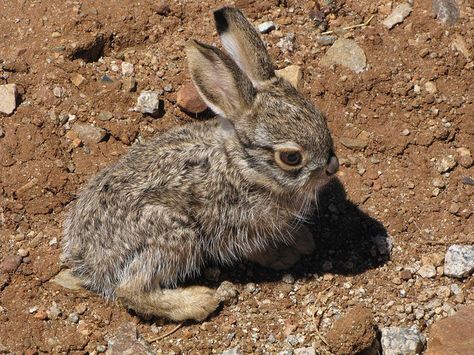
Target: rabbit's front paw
280,258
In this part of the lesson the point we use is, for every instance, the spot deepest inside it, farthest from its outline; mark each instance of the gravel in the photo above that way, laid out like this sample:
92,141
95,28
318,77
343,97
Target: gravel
406,341
459,261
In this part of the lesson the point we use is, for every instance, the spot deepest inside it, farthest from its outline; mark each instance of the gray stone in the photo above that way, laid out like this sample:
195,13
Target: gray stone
127,69
398,15
446,11
232,351
89,133
304,351
427,271
294,340
406,341
125,341
287,43
459,261
227,293
383,243
266,27
65,279
105,116
326,40
347,53
445,164
291,73
8,94
148,102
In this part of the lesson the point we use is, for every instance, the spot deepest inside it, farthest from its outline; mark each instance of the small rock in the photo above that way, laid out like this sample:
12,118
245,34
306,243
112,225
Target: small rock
446,11
89,133
129,84
73,317
353,332
162,8
23,252
149,102
383,243
453,335
105,116
294,340
250,287
445,164
406,341
126,341
41,315
405,275
8,95
326,40
54,312
427,271
287,43
57,91
266,27
227,293
398,15
10,263
430,87
127,69
459,261
405,132
288,279
77,79
304,351
292,73
460,45
2,132
464,157
347,53
353,143
232,351
65,279
189,100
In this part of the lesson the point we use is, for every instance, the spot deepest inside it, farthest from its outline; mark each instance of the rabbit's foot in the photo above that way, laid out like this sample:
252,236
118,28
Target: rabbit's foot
195,302
280,258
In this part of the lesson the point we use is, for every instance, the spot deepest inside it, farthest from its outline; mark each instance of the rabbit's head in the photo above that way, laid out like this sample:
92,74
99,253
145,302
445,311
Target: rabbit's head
283,136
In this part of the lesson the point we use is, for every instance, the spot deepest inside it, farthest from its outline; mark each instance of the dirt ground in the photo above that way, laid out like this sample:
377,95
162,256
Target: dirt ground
403,173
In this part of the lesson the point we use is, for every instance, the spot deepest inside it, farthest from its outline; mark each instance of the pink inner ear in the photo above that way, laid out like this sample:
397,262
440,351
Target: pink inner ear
231,45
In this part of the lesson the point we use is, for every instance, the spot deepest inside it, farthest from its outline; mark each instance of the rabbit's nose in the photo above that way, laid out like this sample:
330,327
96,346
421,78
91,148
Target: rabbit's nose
333,165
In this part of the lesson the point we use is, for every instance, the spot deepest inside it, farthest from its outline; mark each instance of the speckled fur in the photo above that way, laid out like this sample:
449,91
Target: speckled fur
200,192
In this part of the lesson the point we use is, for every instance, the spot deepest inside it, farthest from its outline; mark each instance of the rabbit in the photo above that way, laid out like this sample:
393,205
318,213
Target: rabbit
235,187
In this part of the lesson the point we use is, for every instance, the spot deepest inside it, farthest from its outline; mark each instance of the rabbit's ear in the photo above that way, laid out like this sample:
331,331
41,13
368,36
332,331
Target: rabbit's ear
243,43
220,82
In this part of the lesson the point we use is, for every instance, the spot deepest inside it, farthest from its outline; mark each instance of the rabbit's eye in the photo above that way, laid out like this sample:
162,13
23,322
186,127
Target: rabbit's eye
288,159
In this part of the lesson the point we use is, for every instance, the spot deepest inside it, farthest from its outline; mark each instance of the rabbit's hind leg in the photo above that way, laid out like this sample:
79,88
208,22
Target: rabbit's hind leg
194,302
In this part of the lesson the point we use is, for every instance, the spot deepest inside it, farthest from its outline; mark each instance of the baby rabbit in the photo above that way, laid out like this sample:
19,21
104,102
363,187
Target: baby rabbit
235,187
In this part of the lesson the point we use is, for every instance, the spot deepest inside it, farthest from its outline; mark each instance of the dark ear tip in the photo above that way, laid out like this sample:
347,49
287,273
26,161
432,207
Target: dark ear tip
221,21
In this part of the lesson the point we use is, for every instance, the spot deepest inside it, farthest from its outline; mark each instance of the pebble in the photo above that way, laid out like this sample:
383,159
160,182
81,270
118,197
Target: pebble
77,79
2,132
293,74
73,317
459,261
149,102
266,27
446,11
326,40
398,15
460,45
65,279
227,293
405,132
430,87
294,340
168,88
54,312
406,341
464,157
288,279
8,95
427,271
105,116
232,351
89,133
345,52
250,287
287,43
125,341
127,69
304,351
129,84
353,143
445,164
453,335
9,264
189,100
384,244
23,252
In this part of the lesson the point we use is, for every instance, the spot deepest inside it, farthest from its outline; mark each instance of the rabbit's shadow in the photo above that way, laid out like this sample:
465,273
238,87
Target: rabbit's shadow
348,242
